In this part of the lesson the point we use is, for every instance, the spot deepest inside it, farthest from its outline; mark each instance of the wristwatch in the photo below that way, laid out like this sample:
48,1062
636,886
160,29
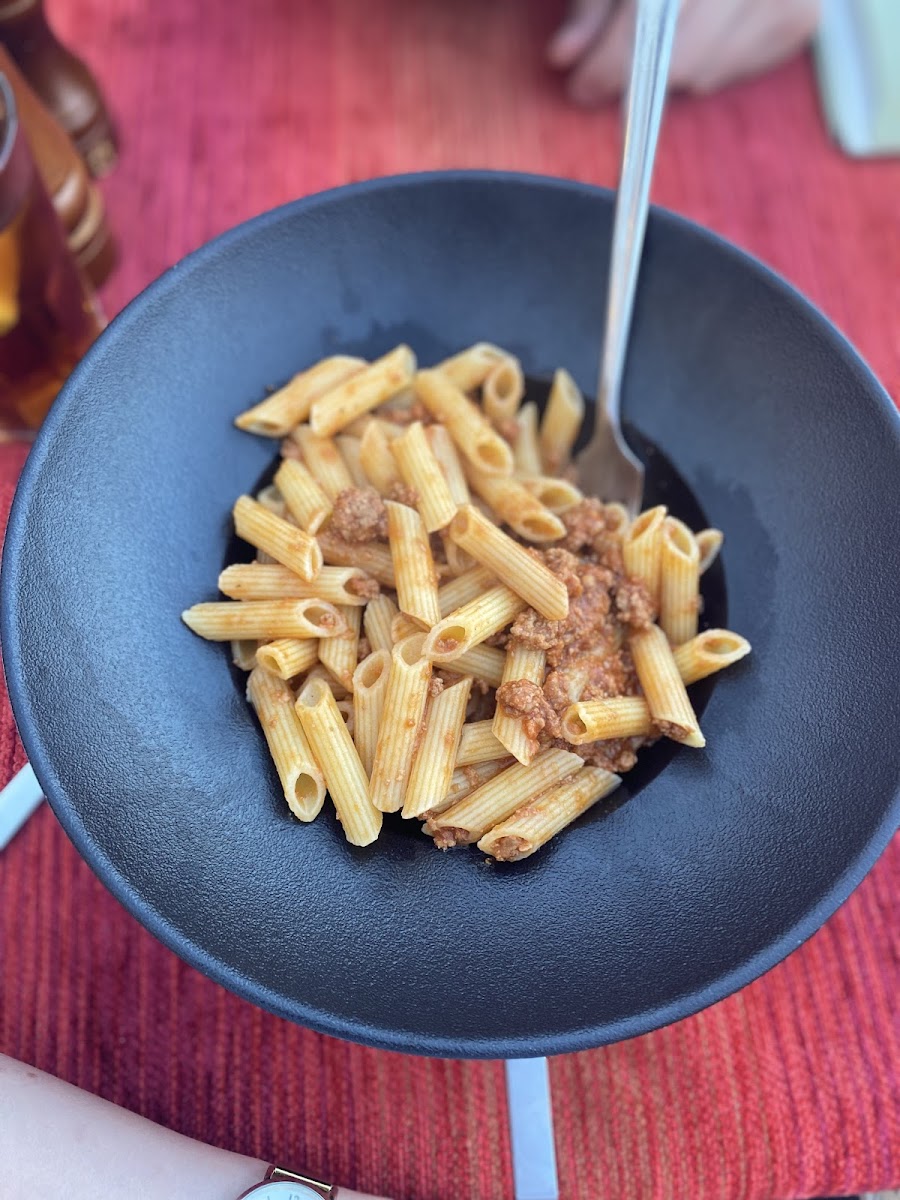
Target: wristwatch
279,1184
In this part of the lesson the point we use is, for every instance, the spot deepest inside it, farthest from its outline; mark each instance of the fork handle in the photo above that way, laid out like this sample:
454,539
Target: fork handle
654,35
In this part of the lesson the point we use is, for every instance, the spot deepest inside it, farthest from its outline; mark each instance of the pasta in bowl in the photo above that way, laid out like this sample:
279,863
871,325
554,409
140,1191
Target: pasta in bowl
438,622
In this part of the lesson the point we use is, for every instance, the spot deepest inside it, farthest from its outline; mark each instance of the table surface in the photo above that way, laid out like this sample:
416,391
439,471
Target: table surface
790,1087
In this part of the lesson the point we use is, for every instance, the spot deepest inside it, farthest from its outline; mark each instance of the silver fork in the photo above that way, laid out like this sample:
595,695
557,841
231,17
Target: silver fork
607,464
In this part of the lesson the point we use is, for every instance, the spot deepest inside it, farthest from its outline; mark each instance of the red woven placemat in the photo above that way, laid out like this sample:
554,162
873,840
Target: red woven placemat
787,1089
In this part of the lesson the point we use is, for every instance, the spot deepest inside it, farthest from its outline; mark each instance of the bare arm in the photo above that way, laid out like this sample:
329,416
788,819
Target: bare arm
59,1142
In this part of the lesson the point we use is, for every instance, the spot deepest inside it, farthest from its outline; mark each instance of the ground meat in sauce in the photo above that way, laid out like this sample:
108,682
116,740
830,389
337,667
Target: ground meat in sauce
405,416
590,530
522,698
634,604
359,516
290,449
615,754
363,649
402,493
435,686
364,586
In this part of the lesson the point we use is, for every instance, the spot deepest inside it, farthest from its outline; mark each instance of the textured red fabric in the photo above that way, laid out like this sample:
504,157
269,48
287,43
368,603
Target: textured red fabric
787,1089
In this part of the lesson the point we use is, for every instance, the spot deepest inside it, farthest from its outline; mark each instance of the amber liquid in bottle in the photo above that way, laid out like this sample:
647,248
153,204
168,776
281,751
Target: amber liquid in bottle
48,313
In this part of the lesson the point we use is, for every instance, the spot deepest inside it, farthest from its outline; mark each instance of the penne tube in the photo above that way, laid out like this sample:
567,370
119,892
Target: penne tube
376,459
362,392
230,620
478,743
345,708
374,558
600,720
510,562
470,818
537,822
404,708
558,495
270,497
432,770
288,657
305,500
414,571
458,562
377,621
526,452
465,780
332,746
243,653
264,581
526,663
663,687
279,413
420,470
290,546
679,582
472,624
472,433
444,451
402,627
469,369
324,461
502,390
484,663
350,452
370,680
301,778
642,547
709,543
709,652
319,672
464,588
514,505
618,522
561,423
339,654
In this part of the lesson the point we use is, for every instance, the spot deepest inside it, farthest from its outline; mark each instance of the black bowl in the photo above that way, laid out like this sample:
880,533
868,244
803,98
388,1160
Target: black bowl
712,870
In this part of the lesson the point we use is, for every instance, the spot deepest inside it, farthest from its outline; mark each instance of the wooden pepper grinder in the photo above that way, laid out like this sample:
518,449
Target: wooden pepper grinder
75,197
61,80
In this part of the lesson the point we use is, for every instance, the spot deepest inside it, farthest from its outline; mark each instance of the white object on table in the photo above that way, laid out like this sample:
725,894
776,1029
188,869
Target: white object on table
531,1129
18,800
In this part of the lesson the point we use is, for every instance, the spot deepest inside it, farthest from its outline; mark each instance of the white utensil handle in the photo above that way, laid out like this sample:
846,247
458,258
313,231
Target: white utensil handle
531,1129
18,800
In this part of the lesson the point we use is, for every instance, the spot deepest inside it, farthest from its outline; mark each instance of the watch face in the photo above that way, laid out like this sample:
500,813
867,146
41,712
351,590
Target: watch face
282,1189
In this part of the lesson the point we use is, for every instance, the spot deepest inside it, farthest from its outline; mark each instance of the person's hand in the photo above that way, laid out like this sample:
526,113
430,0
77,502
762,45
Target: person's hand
716,42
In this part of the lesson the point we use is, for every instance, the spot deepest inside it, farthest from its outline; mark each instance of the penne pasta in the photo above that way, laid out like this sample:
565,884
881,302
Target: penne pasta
417,592
470,818
420,470
464,588
663,687
339,762
479,744
432,770
404,708
350,448
362,392
370,680
599,720
230,620
323,460
510,562
279,413
270,497
525,663
679,582
561,423
339,654
243,654
709,543
304,499
514,505
473,435
264,581
472,624
533,825
556,494
469,369
709,652
288,657
377,620
402,627
458,562
272,534
642,547
319,672
526,452
372,557
502,390
483,663
618,522
376,459
444,451
301,779
465,780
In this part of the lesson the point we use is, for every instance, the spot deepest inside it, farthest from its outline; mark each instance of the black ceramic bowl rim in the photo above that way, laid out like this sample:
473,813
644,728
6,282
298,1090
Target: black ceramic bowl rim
584,1038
